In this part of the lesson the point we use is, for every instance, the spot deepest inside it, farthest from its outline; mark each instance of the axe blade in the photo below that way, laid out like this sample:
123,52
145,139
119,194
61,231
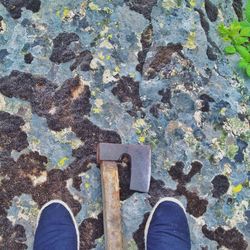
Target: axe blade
140,161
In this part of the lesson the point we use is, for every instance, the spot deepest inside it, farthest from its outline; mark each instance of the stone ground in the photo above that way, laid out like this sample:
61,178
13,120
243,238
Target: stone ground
74,73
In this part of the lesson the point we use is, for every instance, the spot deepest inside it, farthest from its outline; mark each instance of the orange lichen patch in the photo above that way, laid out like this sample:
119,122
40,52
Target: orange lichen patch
76,91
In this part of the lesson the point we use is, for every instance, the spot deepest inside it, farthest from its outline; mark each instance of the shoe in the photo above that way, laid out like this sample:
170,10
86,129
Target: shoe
56,228
167,227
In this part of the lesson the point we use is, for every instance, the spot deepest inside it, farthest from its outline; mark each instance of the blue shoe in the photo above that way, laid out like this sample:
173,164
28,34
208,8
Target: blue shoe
167,227
56,228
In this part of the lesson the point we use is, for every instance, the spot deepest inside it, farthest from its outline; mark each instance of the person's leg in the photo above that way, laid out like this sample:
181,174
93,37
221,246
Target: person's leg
56,228
167,227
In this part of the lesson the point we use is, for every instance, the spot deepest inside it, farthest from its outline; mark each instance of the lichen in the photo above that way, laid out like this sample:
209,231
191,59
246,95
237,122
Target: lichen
168,5
149,72
93,6
191,41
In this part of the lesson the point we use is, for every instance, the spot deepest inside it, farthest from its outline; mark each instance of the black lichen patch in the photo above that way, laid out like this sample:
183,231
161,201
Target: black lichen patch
90,230
138,236
220,184
212,10
143,7
11,135
71,103
14,7
83,61
166,96
127,90
237,5
161,58
212,49
203,20
37,90
211,54
176,172
61,107
154,110
91,135
65,107
206,98
77,181
55,188
61,52
204,248
28,58
195,205
158,190
18,179
19,175
13,237
232,238
203,106
146,41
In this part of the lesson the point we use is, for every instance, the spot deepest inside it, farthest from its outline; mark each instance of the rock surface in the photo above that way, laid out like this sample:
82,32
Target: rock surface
75,73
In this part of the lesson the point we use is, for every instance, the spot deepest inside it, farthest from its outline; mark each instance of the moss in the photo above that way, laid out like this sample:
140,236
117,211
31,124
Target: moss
101,56
96,110
191,41
132,245
107,10
87,185
237,189
141,139
171,4
231,150
237,127
117,69
93,6
62,161
192,3
66,12
144,133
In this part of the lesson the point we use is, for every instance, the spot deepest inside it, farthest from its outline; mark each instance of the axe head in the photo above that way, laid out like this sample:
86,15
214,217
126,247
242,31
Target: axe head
140,161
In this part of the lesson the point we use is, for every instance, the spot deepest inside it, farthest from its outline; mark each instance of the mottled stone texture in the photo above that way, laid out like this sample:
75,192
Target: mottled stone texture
14,7
76,73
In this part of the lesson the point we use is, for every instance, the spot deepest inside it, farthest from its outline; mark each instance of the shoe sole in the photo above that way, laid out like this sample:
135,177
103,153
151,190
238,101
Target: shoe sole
70,212
152,213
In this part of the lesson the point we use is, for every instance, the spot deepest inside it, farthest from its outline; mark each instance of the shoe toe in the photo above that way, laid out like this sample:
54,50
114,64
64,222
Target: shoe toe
55,213
168,228
56,229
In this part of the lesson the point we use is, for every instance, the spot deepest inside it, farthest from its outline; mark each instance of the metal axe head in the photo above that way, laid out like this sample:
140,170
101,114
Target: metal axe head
140,161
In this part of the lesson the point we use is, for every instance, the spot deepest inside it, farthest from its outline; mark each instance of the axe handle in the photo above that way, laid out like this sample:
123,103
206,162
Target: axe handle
111,206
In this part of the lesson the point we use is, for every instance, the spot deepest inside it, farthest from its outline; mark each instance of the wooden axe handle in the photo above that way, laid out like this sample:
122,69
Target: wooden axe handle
111,206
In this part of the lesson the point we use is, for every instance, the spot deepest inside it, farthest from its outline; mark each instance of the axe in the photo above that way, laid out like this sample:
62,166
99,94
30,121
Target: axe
107,156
